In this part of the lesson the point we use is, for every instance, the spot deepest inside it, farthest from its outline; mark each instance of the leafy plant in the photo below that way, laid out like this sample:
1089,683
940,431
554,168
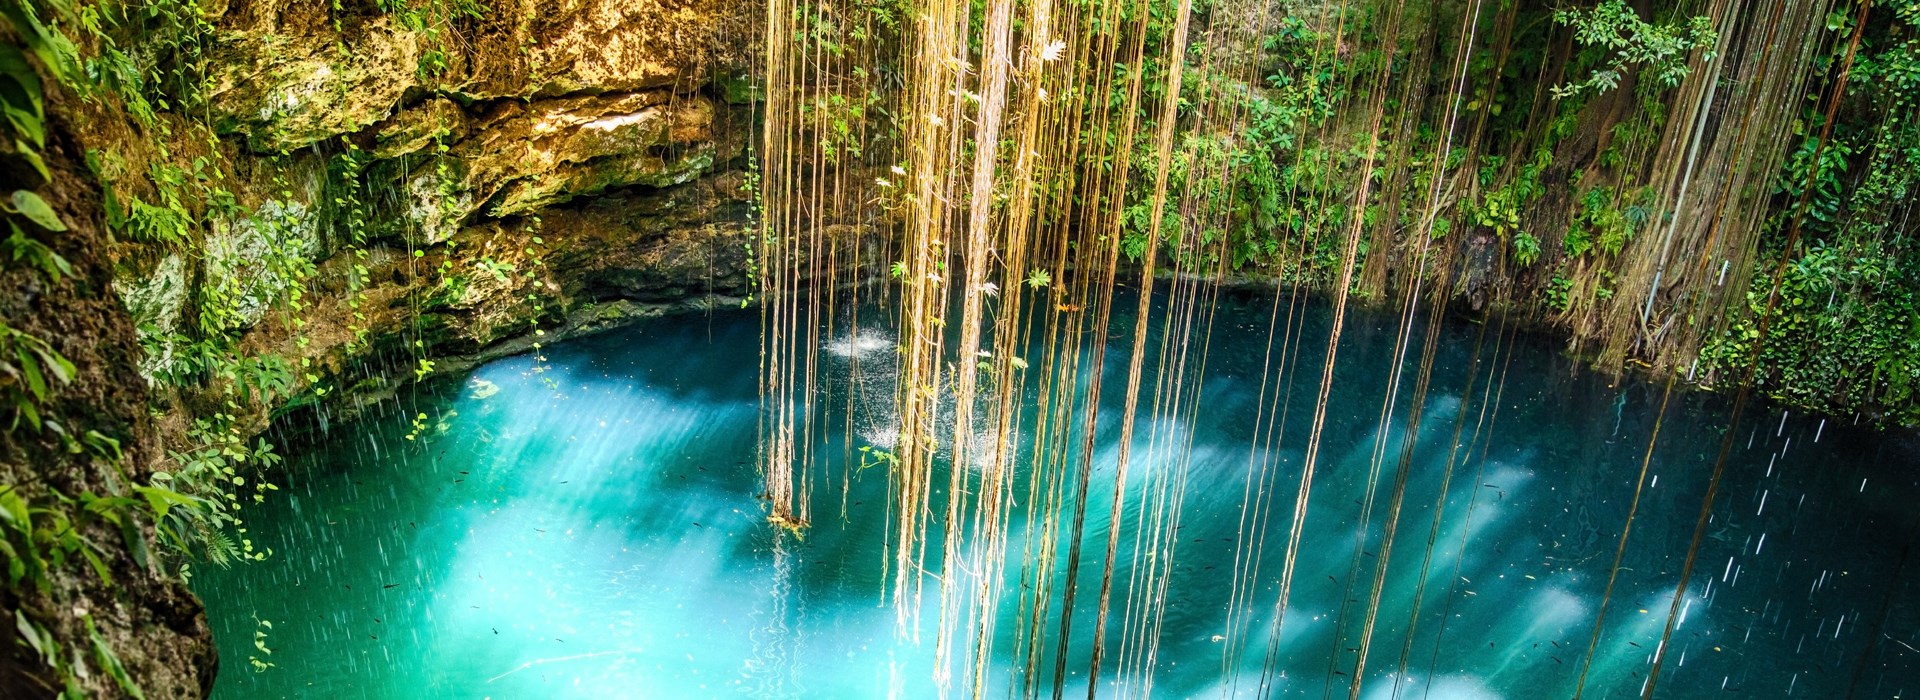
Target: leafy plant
1826,178
1526,248
499,270
39,539
1038,278
435,21
31,369
258,658
21,247
1559,292
1626,42
1601,223
197,500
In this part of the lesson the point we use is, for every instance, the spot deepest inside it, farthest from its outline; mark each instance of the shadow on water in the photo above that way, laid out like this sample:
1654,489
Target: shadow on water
587,526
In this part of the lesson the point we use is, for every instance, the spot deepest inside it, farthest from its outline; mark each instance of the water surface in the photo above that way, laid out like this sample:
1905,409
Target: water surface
585,525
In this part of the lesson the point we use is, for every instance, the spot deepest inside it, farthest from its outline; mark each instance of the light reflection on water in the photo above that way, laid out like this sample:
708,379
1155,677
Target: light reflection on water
590,530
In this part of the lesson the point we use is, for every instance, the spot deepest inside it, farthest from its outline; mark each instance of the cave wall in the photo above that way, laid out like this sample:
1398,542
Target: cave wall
594,147
346,194
320,203
94,437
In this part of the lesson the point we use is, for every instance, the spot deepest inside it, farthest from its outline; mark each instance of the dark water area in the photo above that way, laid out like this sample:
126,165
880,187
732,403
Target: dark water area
587,525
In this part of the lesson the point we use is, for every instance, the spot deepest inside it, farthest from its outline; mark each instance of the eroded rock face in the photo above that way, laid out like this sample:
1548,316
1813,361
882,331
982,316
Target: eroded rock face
528,105
541,48
292,74
285,79
436,120
590,264
566,163
483,125
247,261
117,599
521,158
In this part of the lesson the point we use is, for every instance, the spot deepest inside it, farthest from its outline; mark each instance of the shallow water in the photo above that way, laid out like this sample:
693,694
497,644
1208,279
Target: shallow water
586,527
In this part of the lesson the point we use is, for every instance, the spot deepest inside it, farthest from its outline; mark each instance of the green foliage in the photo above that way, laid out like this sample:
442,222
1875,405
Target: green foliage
22,96
436,21
348,213
27,204
39,539
1827,180
45,645
185,197
30,368
847,118
840,121
1500,210
1253,182
1559,292
152,56
259,660
1907,11
262,263
1621,41
29,216
154,224
1038,278
871,456
42,534
1844,334
1526,248
198,512
499,270
109,662
1603,224
149,57
22,247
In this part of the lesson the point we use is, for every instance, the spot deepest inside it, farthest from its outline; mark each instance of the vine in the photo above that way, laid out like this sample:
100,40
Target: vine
1626,43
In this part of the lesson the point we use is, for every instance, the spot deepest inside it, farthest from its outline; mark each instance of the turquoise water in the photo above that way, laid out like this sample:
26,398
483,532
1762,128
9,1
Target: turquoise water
586,527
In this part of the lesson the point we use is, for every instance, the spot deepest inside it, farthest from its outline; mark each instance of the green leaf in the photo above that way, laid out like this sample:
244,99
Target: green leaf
163,500
27,411
24,122
13,509
31,633
109,662
63,369
30,369
33,207
99,567
136,542
33,158
21,93
55,51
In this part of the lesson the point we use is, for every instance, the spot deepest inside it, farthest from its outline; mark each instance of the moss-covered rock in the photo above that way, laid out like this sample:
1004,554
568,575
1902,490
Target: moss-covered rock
522,158
288,74
250,264
391,177
156,300
279,92
419,128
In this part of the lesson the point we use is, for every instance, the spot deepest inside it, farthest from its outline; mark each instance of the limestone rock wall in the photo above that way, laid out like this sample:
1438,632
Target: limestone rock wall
586,145
357,187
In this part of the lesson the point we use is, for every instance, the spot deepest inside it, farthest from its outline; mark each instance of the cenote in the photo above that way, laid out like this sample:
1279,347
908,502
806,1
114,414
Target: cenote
1036,349
587,523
